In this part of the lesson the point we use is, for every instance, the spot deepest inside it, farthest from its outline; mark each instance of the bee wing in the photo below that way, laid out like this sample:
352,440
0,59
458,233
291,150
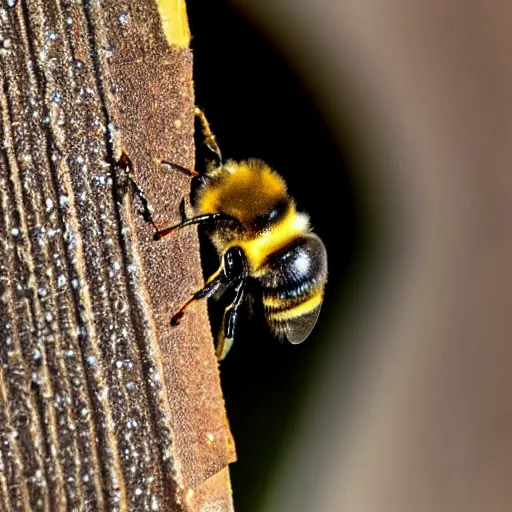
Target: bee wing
300,328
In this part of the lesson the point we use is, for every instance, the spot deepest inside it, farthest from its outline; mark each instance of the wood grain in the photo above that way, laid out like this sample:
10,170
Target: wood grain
102,404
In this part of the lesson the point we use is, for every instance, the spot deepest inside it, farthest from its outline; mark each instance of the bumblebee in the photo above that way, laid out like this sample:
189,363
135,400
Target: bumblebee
260,237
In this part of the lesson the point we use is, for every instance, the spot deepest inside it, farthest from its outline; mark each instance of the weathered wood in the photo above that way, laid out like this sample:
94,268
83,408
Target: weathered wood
102,404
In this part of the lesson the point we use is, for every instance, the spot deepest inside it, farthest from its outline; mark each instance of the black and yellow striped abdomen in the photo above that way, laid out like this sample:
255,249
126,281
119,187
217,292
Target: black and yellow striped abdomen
292,282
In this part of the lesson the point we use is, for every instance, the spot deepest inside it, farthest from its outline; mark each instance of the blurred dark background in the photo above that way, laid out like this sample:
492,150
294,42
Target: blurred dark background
399,400
258,107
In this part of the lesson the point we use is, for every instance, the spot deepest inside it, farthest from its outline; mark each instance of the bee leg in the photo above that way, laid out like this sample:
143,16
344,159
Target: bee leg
126,164
198,181
232,272
234,265
183,212
146,208
186,170
227,333
214,283
209,138
200,219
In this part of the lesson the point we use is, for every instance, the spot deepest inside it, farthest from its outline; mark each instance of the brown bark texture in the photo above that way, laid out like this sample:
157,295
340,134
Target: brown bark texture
103,405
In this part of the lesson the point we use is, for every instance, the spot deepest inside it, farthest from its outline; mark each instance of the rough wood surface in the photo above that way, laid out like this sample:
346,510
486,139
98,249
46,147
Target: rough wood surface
102,404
